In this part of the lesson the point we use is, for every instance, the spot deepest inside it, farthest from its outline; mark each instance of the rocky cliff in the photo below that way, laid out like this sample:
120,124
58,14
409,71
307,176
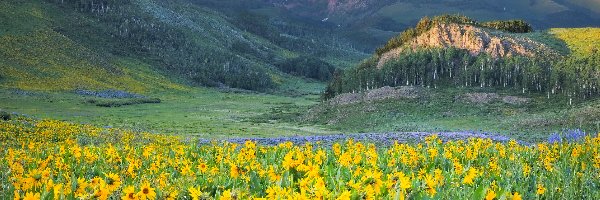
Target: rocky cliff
474,39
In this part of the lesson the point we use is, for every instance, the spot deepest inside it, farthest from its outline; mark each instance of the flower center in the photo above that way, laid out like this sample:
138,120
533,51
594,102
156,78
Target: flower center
145,191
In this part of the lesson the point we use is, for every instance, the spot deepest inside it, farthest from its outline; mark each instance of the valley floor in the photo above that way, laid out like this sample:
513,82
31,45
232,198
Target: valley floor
238,115
205,113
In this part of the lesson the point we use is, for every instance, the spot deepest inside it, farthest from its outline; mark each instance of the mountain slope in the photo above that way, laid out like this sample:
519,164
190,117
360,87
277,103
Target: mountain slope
179,41
35,57
406,11
541,13
375,21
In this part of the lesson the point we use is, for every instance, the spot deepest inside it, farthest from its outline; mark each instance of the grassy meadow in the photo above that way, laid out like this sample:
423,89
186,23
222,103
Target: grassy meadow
200,112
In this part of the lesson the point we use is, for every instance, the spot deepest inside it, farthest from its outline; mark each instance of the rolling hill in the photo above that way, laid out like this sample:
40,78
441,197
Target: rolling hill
138,45
456,51
453,73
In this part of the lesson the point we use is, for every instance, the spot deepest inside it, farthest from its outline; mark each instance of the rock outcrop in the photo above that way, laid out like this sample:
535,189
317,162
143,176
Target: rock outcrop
474,39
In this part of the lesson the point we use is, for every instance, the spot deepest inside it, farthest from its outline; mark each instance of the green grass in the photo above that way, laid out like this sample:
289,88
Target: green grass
201,112
440,110
49,50
548,39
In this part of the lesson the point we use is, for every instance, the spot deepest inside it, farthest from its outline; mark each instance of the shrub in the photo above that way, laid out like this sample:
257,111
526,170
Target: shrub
126,102
513,26
5,116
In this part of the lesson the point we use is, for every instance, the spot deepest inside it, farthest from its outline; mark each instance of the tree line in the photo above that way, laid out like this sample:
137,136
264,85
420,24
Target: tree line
576,77
307,66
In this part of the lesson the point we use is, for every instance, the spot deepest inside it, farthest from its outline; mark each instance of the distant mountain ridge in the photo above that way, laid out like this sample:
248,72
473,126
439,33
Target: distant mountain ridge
331,7
542,13
372,22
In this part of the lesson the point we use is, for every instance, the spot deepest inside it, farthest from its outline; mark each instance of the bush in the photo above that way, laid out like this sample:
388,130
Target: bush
126,102
5,116
513,26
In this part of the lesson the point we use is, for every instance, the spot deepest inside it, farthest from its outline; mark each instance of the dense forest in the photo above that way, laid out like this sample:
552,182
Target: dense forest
577,77
307,66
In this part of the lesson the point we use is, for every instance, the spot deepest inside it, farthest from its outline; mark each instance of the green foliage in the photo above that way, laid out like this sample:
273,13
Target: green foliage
287,112
307,66
175,49
513,26
4,115
293,34
201,112
122,102
199,43
425,24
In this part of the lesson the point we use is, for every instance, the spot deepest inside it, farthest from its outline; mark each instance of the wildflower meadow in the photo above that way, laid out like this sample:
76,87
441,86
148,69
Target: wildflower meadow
46,159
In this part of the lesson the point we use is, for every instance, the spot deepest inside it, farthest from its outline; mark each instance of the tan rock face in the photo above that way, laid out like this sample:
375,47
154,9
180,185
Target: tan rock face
473,39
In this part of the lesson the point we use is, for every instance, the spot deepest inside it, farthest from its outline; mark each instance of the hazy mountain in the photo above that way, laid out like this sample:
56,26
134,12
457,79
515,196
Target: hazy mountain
541,13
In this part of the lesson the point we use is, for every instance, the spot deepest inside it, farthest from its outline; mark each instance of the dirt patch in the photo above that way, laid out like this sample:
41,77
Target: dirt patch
346,98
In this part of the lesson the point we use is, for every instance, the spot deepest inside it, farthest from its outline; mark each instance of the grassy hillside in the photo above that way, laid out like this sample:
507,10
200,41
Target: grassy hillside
66,45
36,57
442,110
581,41
161,50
